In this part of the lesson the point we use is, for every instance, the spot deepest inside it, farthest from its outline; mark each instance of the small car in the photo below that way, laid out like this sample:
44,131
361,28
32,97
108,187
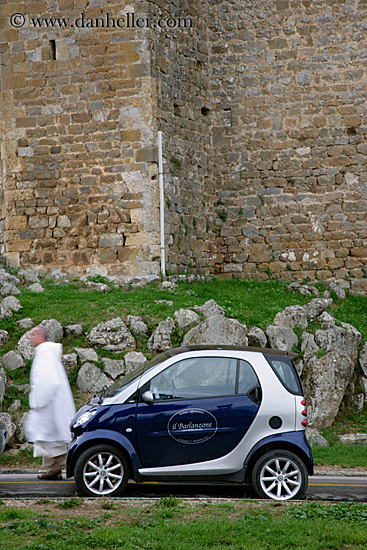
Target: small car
197,414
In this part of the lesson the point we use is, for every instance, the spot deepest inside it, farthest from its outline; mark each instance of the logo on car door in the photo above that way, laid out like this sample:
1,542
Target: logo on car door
192,426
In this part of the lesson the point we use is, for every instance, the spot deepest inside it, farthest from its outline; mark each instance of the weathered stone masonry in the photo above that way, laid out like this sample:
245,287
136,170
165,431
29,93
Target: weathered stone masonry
263,111
78,132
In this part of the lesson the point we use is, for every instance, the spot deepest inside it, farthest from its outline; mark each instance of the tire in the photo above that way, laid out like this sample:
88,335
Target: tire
101,470
279,475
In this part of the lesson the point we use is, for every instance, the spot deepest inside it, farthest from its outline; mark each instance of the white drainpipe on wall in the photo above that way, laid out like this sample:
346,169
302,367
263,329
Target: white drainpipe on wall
161,200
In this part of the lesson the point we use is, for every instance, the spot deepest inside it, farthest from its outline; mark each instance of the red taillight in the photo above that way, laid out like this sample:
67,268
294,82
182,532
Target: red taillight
303,402
304,422
304,412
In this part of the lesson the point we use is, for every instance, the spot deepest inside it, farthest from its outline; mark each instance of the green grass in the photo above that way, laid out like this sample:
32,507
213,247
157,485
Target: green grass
310,526
345,456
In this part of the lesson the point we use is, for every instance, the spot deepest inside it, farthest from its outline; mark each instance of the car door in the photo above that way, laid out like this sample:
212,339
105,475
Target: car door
202,407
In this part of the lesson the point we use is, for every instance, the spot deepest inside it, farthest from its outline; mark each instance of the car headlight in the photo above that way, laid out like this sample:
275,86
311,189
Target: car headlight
84,417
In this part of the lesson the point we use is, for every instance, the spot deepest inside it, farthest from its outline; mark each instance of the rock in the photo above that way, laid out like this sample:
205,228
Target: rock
291,317
325,381
305,290
363,359
217,330
281,338
36,287
167,285
15,406
167,302
134,360
58,276
7,289
299,367
185,318
91,379
353,439
316,306
309,347
315,438
137,324
5,277
326,320
114,367
344,339
339,291
112,335
25,323
99,287
4,338
54,331
10,428
5,313
86,354
20,430
12,360
209,309
23,388
70,362
161,337
257,338
357,402
326,294
29,275
3,381
12,303
73,330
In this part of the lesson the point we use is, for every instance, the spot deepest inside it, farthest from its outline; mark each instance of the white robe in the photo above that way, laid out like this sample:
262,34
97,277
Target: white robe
50,399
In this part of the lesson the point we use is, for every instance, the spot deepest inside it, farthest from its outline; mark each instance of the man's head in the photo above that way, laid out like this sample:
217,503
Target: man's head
38,336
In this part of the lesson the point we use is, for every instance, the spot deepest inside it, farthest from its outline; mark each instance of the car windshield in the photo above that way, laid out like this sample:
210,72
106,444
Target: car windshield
125,381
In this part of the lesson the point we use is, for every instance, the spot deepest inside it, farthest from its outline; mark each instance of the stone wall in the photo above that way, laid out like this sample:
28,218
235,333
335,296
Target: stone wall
182,71
263,111
78,133
289,166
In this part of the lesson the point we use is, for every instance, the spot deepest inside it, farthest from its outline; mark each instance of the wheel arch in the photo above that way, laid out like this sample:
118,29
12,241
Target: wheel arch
99,440
272,445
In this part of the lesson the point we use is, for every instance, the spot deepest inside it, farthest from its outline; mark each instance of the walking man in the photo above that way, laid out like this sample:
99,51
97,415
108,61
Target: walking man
51,403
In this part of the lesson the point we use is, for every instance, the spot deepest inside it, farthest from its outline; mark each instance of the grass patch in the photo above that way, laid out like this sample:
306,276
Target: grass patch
310,526
346,456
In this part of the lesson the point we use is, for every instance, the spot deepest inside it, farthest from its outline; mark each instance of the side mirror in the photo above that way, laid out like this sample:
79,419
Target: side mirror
147,397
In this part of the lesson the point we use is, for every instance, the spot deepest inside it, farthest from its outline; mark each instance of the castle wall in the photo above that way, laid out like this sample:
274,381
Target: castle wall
79,166
289,165
263,112
182,72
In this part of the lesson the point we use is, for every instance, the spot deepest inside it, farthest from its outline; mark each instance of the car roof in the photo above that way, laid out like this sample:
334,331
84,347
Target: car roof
265,351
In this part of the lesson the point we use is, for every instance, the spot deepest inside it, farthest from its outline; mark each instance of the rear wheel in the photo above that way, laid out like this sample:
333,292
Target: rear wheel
101,470
280,475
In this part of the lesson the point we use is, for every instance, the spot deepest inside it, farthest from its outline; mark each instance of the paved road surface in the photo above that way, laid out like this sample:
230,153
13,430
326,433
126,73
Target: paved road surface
320,488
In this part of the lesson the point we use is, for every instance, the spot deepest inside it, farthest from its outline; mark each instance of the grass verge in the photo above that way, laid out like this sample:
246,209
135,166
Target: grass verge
255,526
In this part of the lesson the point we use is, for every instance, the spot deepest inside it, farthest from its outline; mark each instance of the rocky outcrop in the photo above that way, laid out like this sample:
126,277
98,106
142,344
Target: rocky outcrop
161,337
112,335
217,330
282,338
185,318
92,379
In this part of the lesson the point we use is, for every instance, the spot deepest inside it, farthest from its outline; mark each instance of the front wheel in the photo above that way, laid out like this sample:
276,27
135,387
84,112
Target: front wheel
101,470
280,475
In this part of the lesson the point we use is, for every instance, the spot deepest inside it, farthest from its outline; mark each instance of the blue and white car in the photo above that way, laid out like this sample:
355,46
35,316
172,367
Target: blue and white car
200,414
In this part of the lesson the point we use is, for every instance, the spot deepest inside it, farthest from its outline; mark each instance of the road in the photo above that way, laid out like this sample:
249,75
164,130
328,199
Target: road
331,488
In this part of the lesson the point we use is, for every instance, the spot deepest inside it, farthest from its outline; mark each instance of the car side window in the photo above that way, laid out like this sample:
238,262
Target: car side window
247,378
194,378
